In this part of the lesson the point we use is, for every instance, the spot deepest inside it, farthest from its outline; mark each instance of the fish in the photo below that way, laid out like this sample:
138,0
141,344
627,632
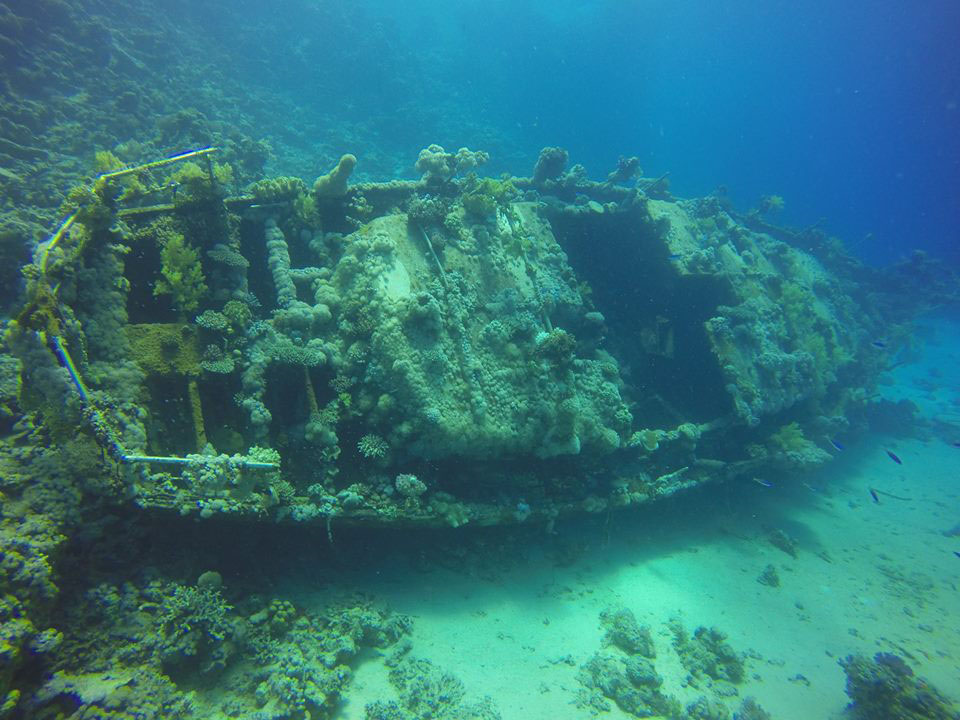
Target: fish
956,443
761,481
674,256
893,457
873,494
881,344
836,445
956,553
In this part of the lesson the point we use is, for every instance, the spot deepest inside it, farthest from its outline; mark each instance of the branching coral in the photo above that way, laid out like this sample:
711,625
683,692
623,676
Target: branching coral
212,320
181,276
372,446
133,187
196,185
483,197
793,444
193,620
213,360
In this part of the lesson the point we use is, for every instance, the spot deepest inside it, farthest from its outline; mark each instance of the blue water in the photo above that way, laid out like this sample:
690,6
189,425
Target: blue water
849,111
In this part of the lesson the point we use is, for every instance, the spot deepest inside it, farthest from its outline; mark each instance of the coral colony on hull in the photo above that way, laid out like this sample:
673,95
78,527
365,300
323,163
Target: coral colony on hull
424,352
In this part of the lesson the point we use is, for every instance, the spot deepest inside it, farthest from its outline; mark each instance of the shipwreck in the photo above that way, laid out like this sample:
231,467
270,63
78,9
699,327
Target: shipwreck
455,349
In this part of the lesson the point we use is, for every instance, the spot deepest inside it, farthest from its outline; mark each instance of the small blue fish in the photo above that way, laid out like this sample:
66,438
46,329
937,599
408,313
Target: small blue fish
893,457
873,494
956,444
761,481
674,256
879,344
836,445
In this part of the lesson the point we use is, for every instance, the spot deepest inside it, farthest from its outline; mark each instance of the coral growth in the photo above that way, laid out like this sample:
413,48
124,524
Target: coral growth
624,632
282,662
550,164
164,348
625,673
334,183
436,165
181,276
427,691
707,654
885,688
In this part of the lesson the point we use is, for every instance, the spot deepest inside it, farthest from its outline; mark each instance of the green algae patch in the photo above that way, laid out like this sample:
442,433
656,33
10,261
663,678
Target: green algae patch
164,348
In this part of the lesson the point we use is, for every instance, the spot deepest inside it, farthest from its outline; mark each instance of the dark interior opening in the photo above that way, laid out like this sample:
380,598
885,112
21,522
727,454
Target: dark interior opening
286,396
254,248
221,416
655,315
170,430
142,268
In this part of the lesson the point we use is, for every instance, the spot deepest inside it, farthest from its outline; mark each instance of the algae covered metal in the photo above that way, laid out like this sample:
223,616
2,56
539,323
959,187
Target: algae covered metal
445,351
